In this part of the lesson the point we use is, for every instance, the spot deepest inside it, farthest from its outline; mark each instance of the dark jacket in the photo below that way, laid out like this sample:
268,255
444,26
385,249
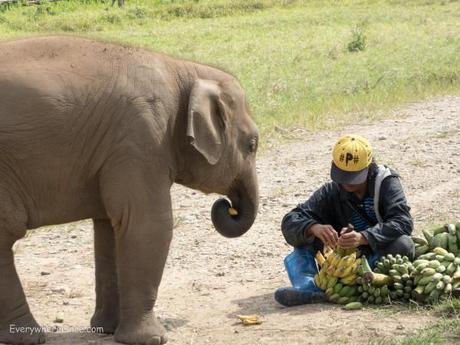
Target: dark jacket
330,204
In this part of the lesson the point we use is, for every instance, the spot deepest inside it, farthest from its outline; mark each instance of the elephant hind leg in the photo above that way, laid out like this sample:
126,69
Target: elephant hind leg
106,315
17,325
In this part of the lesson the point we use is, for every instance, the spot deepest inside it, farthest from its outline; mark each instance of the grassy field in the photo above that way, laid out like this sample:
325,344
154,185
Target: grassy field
303,63
446,331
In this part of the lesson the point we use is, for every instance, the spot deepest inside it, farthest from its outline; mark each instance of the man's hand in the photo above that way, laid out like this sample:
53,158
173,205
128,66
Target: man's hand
325,233
351,239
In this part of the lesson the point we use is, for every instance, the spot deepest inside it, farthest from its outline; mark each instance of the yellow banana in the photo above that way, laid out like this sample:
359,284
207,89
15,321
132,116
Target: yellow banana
331,269
320,258
335,259
354,266
323,280
331,282
347,271
327,251
350,251
351,258
349,280
330,258
342,265
439,251
325,266
232,211
249,319
317,280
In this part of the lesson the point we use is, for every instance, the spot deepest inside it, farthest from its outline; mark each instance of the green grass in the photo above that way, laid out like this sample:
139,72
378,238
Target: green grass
315,64
444,332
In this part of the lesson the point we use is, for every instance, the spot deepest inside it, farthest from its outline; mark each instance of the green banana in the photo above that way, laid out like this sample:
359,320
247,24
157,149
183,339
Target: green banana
444,240
451,228
434,264
429,287
440,285
425,280
441,269
440,230
419,261
428,235
343,300
337,288
427,256
429,271
419,240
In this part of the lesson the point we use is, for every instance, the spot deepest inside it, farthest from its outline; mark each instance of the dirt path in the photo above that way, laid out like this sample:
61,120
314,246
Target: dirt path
208,279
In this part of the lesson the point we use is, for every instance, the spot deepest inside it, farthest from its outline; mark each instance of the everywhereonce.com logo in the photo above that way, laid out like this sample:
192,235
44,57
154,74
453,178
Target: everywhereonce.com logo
15,329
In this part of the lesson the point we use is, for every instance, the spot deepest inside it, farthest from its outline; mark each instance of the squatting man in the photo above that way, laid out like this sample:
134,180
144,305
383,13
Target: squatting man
364,207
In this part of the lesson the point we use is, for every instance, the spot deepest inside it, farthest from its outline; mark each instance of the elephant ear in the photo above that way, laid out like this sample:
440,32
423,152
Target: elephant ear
206,120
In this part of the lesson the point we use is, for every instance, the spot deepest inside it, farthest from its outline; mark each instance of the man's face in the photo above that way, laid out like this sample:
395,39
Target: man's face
352,188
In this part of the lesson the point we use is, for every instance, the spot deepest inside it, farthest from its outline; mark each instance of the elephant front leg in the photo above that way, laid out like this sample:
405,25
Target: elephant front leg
140,212
142,248
106,315
17,325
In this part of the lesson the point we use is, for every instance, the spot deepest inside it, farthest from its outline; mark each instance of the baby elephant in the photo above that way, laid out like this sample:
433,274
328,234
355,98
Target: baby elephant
101,131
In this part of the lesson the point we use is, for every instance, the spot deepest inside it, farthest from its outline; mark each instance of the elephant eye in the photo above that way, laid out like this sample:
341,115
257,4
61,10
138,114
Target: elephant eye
253,145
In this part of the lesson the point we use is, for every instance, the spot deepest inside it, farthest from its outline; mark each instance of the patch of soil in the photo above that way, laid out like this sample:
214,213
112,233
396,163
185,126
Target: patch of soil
208,279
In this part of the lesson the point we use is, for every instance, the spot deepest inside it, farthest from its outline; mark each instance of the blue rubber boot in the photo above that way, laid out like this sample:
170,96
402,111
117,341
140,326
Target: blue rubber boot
301,268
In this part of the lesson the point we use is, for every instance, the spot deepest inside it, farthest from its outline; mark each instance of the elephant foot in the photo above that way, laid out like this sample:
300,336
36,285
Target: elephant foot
146,332
22,331
105,321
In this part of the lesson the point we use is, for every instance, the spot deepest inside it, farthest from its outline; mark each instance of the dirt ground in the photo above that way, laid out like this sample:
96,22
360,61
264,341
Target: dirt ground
208,279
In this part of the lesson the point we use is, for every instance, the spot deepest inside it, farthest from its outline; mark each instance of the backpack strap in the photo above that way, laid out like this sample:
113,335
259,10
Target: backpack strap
383,173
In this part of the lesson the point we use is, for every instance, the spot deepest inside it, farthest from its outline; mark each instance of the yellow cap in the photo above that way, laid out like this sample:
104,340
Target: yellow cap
351,158
352,153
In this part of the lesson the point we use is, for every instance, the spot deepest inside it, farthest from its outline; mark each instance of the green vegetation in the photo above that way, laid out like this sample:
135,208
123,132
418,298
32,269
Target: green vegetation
444,332
302,63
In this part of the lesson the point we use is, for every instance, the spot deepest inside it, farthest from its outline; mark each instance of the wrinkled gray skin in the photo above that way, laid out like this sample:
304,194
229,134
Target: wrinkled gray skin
94,130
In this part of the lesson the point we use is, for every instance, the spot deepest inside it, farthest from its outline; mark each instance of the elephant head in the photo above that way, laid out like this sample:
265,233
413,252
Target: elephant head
222,142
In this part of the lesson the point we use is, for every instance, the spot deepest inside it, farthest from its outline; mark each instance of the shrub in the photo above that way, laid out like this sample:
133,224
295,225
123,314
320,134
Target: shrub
358,39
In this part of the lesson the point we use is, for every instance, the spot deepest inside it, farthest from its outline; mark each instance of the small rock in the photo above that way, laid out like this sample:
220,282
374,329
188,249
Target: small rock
58,319
44,273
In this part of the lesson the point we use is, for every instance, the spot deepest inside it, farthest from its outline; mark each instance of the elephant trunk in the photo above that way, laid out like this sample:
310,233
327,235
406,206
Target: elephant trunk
244,197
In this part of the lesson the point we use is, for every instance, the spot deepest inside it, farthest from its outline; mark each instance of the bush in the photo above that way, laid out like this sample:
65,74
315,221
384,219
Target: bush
358,39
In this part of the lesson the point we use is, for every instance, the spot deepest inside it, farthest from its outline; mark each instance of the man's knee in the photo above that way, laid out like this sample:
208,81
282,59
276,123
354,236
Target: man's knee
403,246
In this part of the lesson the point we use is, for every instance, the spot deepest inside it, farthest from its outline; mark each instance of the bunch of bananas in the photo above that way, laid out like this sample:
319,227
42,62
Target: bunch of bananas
401,276
342,294
369,294
374,287
399,270
337,274
386,262
347,278
447,237
436,274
